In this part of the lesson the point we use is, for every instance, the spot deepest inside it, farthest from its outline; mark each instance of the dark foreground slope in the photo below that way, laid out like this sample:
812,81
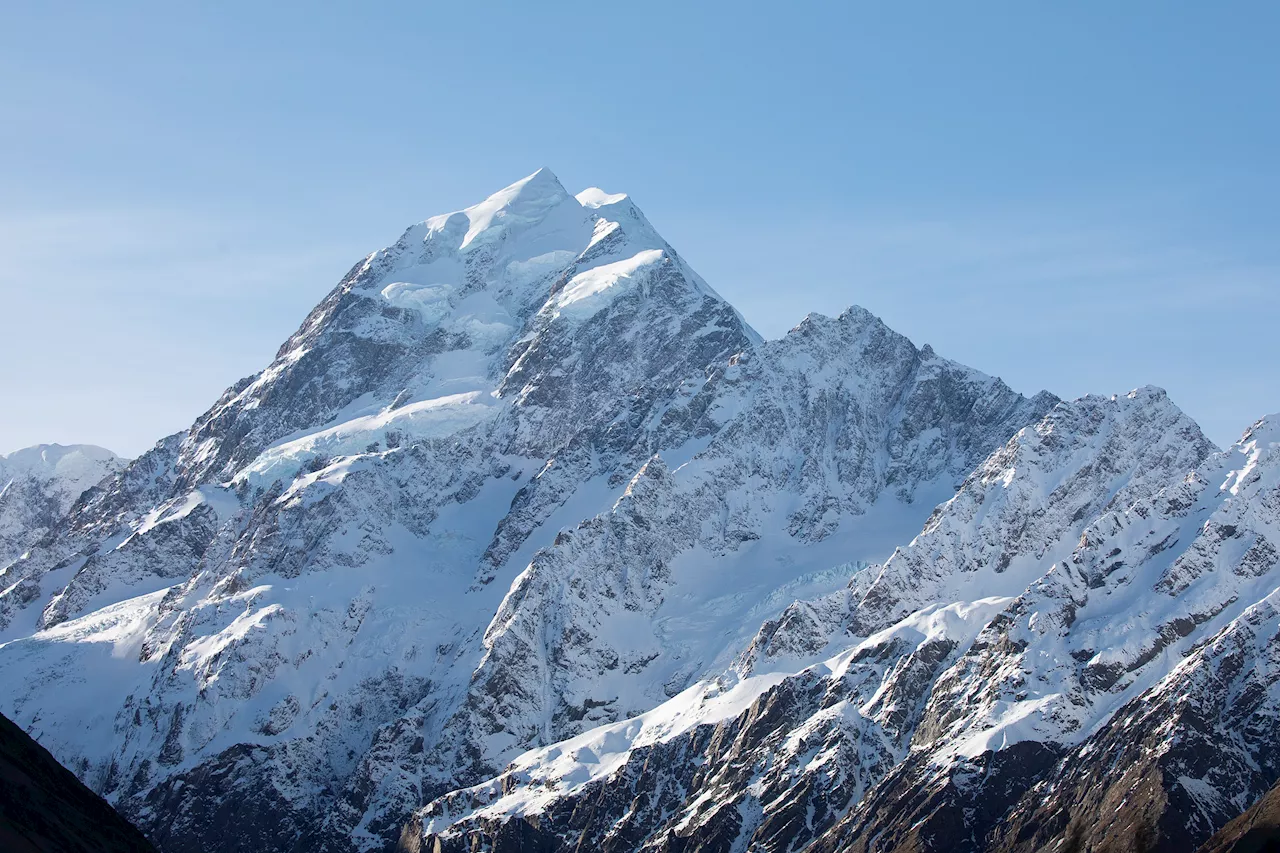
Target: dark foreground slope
1255,831
44,807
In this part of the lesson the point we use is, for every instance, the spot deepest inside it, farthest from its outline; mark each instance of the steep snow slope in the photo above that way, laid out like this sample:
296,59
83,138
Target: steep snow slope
519,474
1082,604
39,484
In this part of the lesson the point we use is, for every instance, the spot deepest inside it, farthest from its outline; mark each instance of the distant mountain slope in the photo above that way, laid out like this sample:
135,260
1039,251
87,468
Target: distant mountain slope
39,484
44,808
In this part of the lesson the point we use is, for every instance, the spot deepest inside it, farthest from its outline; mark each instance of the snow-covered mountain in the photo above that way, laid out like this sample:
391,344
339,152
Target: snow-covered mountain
519,476
1080,650
525,540
39,484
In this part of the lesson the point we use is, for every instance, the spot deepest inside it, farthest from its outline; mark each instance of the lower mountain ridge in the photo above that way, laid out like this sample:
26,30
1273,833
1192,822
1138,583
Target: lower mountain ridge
1081,650
526,540
1257,830
38,485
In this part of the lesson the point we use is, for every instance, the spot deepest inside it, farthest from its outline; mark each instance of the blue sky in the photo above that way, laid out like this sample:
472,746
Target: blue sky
1080,197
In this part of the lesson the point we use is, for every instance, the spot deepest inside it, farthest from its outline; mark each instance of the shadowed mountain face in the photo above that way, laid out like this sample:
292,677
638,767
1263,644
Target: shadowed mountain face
44,808
1255,831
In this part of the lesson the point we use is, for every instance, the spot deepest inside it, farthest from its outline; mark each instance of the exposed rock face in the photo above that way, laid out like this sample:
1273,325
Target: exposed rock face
1079,651
625,594
694,775
520,475
44,808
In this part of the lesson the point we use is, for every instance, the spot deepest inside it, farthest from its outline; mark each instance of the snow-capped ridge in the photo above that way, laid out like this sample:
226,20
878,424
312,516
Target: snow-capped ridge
853,316
1146,392
1263,432
50,459
1255,454
40,484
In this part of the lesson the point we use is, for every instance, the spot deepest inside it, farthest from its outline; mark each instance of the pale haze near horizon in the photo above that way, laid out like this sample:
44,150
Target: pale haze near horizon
1079,199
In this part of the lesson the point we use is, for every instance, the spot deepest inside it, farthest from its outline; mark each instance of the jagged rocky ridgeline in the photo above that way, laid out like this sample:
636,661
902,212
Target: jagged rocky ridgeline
526,533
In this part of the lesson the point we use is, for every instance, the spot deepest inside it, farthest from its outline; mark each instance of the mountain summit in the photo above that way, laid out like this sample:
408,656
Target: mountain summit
524,203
